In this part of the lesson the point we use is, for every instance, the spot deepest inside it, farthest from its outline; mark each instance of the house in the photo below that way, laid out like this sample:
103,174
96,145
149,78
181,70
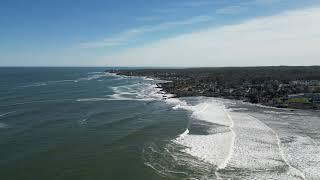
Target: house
316,98
292,96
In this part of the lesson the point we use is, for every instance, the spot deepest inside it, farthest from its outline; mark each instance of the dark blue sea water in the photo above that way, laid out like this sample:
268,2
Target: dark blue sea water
57,123
84,124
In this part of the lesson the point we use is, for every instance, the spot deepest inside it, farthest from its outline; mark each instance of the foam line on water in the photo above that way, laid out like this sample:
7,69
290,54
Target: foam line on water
111,98
169,162
177,103
90,76
249,144
215,148
37,84
4,114
286,113
292,170
141,91
303,154
224,164
299,148
186,132
255,144
257,148
32,102
83,121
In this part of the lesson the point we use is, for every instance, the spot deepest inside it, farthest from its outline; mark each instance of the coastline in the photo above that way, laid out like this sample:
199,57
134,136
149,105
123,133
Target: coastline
281,90
230,134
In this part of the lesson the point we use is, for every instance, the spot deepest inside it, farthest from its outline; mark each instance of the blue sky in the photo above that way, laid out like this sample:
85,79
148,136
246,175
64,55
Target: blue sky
122,32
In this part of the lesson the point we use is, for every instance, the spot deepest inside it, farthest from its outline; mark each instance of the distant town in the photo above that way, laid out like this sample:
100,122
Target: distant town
280,86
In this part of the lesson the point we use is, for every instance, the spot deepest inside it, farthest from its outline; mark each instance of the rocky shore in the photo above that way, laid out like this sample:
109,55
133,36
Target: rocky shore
281,86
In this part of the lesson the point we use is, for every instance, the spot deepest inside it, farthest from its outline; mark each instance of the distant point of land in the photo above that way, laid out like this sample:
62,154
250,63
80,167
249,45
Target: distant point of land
278,86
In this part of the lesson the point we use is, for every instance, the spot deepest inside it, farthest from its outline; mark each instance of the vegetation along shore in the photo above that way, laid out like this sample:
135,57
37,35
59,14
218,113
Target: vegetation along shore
296,87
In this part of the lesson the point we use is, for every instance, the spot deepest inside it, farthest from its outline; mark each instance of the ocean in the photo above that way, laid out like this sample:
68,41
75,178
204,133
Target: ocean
85,124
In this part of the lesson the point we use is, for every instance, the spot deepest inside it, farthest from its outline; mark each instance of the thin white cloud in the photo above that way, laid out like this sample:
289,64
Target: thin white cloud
167,10
226,8
191,21
290,38
231,10
150,18
177,7
174,8
264,2
112,41
198,3
125,37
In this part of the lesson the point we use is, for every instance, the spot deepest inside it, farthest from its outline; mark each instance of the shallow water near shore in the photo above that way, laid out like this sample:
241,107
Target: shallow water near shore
81,123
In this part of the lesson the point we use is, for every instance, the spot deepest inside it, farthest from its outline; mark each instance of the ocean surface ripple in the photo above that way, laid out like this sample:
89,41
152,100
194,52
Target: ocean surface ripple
85,120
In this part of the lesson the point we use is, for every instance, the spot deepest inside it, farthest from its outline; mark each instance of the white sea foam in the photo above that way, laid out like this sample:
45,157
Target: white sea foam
286,113
246,144
32,102
35,84
47,83
148,78
265,106
98,76
67,80
213,148
213,112
300,150
177,103
92,99
184,133
97,72
249,145
92,77
138,91
134,92
5,114
83,121
303,153
256,146
238,109
117,77
171,163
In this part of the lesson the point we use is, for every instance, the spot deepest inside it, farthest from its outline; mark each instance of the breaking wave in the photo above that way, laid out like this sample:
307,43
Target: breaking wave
169,160
222,140
91,76
144,91
5,114
134,92
236,145
203,152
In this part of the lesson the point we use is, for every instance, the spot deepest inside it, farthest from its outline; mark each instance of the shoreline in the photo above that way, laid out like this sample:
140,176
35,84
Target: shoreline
268,89
166,95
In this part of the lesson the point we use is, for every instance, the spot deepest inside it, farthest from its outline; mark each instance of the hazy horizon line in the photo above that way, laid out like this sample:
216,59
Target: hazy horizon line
157,67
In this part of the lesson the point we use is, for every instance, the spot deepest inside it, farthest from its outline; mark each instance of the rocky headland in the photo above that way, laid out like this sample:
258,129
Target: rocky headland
280,86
